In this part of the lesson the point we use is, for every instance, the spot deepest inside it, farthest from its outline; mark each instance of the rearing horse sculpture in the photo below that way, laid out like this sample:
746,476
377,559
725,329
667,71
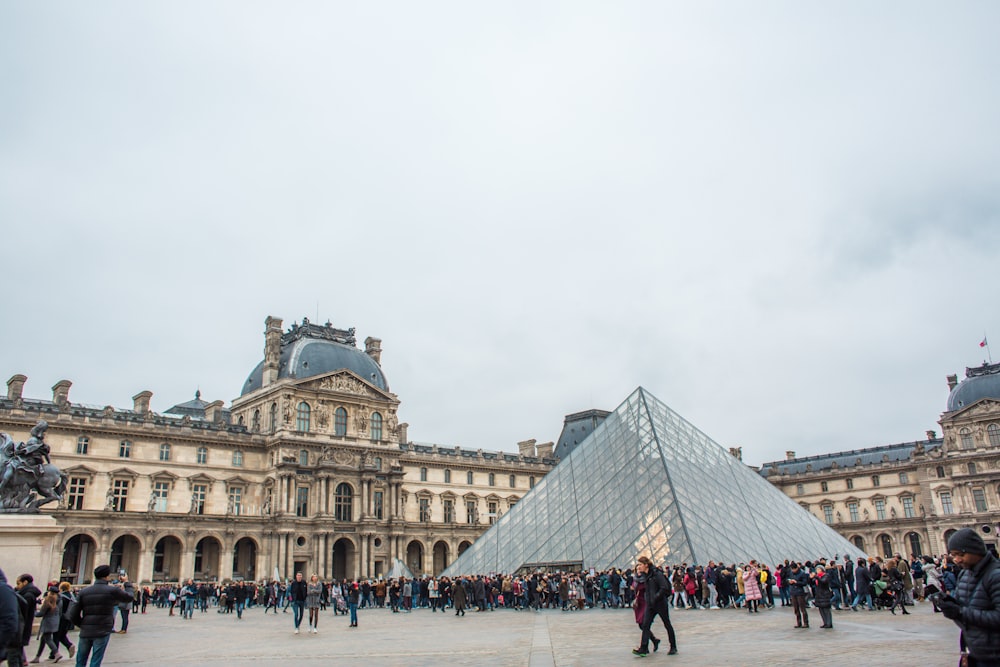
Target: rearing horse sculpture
23,489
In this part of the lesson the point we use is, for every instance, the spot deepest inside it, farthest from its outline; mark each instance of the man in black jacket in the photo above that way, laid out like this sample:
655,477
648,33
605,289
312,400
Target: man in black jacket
657,590
976,605
14,612
297,593
93,613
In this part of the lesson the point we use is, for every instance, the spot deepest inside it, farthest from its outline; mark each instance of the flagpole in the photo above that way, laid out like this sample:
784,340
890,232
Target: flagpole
986,344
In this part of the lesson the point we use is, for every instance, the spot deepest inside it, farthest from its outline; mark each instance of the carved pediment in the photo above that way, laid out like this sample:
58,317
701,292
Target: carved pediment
341,457
79,471
981,409
124,472
344,382
237,480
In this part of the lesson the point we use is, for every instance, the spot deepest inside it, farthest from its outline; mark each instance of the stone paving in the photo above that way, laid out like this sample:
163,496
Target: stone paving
593,637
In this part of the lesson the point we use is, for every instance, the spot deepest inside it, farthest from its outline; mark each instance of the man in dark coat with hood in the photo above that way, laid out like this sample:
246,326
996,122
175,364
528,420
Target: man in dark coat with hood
93,613
26,589
975,607
657,590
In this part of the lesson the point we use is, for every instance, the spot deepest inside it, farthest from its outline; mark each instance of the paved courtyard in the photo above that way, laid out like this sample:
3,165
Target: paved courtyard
537,639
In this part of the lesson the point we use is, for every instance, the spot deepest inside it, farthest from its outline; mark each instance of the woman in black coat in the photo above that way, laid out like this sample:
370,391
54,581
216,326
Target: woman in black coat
862,585
823,598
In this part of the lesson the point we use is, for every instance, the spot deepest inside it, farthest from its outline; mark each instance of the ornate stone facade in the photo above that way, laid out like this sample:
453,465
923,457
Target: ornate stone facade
309,469
908,498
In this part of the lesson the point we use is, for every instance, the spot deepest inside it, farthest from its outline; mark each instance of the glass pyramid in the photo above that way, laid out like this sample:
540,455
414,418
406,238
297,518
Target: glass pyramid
648,482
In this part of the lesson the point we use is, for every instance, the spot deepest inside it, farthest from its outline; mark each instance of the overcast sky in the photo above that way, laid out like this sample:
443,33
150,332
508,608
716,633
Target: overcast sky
780,218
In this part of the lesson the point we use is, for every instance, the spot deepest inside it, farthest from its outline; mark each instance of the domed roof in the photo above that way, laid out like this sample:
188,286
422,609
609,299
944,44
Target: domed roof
310,350
981,382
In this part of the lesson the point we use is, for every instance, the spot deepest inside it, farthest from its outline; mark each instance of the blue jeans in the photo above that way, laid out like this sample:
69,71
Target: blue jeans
297,609
92,646
188,607
867,597
354,613
239,609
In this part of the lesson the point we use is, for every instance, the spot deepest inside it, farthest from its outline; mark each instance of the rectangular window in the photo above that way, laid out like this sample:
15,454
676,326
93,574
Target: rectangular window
471,514
425,510
908,507
853,509
513,481
946,507
423,474
120,495
828,513
77,488
302,501
378,504
824,487
203,455
850,483
449,510
447,477
235,503
875,480
880,509
125,449
979,497
82,444
198,493
160,490
468,477
491,509
904,478
800,489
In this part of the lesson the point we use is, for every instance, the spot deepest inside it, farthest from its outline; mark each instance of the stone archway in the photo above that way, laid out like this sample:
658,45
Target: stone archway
78,559
245,560
125,552
167,559
207,559
440,556
343,559
415,558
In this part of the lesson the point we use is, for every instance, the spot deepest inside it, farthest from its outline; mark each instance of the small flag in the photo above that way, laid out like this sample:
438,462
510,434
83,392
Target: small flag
983,343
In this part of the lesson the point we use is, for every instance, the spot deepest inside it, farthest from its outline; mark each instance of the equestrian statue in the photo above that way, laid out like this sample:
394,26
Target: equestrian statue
28,478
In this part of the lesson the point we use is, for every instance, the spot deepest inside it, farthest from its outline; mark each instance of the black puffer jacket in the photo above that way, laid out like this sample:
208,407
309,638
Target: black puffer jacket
95,604
978,593
657,589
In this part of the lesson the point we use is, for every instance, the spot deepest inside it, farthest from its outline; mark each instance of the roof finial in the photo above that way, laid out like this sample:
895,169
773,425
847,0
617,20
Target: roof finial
197,394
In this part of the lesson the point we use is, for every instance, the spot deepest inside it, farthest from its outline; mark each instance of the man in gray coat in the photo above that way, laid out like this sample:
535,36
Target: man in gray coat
976,605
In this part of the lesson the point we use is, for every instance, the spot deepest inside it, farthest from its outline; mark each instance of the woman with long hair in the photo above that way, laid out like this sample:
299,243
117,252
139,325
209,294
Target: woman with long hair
49,613
314,591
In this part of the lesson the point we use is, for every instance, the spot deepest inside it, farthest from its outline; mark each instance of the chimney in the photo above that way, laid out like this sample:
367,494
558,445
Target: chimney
60,392
952,382
373,348
15,386
736,453
789,455
545,450
213,411
527,447
403,437
272,350
931,435
140,402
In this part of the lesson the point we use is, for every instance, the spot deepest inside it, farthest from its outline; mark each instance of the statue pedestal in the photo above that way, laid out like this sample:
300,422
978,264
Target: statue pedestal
30,543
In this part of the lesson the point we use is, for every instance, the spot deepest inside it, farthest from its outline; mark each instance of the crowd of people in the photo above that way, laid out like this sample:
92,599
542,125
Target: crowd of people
875,583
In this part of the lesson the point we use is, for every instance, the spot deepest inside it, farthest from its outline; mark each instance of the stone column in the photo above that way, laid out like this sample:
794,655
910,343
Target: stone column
187,565
146,557
226,559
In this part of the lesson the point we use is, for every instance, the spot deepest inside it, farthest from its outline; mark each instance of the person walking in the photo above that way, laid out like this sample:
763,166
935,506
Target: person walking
862,586
314,591
458,597
297,593
15,613
66,599
973,607
657,590
93,613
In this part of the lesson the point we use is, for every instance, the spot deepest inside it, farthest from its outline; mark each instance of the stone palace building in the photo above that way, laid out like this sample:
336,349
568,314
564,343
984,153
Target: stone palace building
309,469
910,497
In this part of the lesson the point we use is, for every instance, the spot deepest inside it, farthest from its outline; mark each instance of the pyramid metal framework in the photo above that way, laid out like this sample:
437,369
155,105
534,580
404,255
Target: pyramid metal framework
646,481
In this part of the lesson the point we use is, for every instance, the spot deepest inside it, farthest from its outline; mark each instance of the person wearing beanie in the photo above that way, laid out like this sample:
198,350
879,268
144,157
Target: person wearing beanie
975,607
93,613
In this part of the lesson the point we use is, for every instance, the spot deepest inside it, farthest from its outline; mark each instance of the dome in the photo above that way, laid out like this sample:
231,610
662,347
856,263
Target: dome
308,350
981,382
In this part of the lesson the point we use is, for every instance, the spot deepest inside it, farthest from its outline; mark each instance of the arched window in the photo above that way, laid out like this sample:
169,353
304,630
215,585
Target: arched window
340,422
447,476
376,427
256,421
972,468
886,542
237,458
940,472
203,455
468,477
303,457
914,540
343,502
274,417
302,417
966,435
165,451
423,474
993,433
859,542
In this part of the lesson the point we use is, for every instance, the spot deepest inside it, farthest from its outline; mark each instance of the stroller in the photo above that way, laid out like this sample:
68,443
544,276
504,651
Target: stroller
882,595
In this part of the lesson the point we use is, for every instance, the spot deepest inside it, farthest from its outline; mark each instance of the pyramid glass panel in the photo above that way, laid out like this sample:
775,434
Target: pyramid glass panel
646,481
